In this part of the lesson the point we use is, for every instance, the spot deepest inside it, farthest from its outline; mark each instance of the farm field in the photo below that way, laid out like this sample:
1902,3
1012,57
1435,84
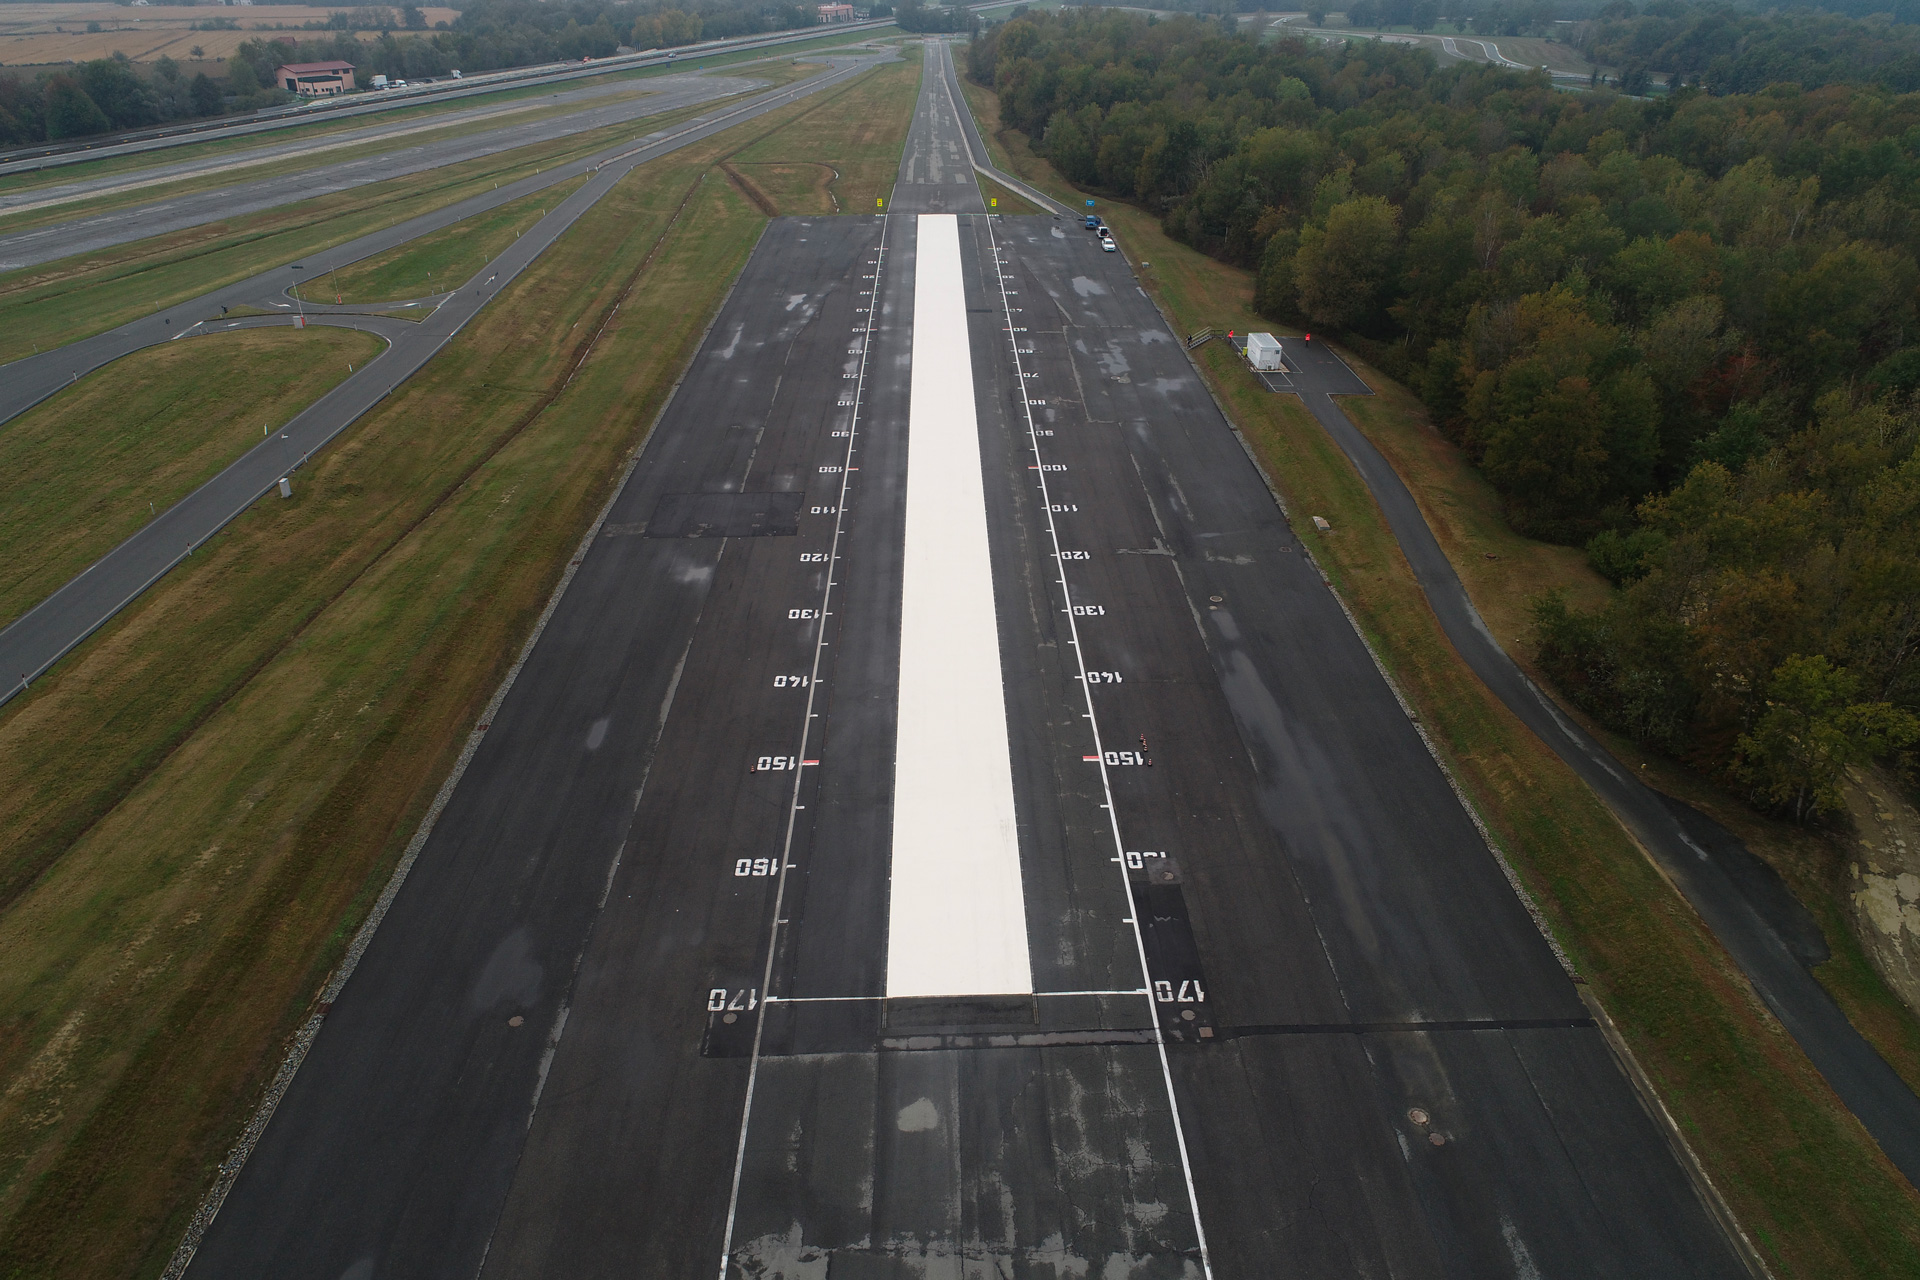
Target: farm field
42,34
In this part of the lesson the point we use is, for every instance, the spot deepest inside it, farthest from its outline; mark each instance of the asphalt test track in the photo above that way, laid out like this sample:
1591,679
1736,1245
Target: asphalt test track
541,1065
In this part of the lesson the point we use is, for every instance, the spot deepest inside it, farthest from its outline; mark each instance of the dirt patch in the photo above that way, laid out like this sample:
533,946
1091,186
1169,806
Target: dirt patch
1886,879
747,187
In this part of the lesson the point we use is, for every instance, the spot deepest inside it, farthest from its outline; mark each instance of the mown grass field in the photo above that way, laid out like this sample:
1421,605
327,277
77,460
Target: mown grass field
1002,201
439,261
83,471
199,805
861,153
1807,1183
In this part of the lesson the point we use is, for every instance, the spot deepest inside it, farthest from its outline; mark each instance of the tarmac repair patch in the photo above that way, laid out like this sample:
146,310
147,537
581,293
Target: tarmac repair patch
726,515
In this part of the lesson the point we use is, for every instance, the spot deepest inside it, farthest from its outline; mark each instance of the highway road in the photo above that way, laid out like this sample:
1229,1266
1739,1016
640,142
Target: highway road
52,193
947,826
147,141
90,233
35,641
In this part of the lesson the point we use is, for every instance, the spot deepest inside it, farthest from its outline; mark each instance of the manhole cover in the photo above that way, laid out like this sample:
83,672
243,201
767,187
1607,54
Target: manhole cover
1417,1116
1216,599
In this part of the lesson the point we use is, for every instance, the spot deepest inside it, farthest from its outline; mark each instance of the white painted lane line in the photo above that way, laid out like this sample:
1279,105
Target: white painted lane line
794,807
957,917
1001,262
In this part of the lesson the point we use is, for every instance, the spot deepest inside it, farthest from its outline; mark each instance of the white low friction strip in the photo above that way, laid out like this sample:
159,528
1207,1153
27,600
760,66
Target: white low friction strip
957,920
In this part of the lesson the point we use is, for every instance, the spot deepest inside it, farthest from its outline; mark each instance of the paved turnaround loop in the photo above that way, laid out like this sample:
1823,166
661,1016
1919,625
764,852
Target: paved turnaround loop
39,638
628,1015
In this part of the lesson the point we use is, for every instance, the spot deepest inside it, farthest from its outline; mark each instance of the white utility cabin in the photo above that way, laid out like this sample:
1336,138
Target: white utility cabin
1263,352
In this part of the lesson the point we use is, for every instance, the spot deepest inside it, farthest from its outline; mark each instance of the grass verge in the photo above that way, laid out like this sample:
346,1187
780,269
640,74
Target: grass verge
208,795
440,260
862,153
1002,201
1808,1184
153,427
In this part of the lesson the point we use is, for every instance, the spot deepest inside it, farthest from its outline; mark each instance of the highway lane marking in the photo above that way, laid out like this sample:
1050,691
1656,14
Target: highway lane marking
1072,612
794,807
956,910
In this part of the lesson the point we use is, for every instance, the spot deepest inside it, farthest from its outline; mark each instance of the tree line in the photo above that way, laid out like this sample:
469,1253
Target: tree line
1679,332
1728,51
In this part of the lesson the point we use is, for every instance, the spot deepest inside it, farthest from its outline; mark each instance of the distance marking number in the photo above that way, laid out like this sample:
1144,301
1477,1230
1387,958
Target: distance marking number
726,999
1076,555
1089,610
1064,506
1188,992
801,614
824,511
813,557
1103,677
792,682
829,471
1137,858
1118,758
774,764
756,866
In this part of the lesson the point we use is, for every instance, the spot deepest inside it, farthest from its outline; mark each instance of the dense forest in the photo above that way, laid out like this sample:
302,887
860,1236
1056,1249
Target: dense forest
1680,332
112,93
1727,51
